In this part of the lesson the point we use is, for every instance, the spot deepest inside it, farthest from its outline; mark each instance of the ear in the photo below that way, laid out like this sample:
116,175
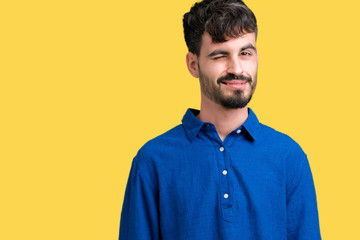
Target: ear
192,64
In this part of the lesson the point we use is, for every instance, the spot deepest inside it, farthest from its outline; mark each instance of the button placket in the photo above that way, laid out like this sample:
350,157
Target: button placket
225,194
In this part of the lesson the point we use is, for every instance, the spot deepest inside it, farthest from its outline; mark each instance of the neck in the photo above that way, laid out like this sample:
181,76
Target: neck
225,120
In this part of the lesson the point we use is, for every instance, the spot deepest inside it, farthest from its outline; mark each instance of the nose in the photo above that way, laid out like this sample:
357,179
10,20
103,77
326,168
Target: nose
235,66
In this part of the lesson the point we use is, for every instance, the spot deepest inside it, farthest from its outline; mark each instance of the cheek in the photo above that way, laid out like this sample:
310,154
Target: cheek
212,71
251,68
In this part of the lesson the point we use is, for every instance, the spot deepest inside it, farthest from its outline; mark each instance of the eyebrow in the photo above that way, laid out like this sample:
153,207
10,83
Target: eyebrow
218,52
222,52
249,46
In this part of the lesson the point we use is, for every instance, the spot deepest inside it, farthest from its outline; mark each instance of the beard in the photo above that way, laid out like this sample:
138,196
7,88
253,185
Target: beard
238,98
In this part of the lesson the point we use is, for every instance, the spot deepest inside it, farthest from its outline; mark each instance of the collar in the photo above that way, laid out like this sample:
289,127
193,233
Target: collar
252,125
192,124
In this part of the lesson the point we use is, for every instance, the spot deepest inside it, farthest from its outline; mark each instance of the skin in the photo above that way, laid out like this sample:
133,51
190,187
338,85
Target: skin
236,56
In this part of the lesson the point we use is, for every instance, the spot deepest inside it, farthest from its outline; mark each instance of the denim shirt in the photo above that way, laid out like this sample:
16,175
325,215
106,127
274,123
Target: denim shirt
189,184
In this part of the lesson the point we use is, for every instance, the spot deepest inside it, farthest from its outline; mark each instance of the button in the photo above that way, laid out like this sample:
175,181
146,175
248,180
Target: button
238,131
224,172
222,149
226,196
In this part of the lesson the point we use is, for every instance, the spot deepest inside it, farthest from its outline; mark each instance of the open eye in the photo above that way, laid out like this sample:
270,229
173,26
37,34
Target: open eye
246,53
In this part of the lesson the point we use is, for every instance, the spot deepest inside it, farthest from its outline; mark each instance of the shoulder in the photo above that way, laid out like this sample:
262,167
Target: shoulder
157,151
164,141
283,149
292,156
269,139
278,140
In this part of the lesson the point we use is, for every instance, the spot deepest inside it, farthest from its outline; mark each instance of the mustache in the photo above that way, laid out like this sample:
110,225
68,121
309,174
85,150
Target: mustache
232,76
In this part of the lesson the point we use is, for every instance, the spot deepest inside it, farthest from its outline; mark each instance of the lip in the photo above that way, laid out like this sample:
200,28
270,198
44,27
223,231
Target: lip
237,84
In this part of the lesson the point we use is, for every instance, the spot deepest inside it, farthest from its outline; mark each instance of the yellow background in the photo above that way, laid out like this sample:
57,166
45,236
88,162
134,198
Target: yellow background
84,84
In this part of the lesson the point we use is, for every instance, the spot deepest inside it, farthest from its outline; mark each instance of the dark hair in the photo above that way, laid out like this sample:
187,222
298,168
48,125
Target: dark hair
220,18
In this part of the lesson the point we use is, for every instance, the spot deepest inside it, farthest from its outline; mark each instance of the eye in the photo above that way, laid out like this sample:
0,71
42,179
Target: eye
246,53
218,57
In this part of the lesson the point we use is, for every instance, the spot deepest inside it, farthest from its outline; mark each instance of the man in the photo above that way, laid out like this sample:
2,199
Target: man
221,174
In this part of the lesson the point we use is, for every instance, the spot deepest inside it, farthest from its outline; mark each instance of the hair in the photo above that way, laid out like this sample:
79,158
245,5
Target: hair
220,18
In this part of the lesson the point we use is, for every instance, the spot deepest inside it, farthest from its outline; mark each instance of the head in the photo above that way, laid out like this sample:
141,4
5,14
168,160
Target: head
221,36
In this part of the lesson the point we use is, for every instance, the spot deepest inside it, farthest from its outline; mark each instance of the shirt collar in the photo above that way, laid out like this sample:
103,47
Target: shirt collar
193,125
252,125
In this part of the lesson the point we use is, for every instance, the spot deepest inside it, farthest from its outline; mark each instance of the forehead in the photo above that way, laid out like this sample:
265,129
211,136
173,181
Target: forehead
232,44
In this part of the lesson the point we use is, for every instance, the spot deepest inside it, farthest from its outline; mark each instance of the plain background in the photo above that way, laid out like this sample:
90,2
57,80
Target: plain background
84,84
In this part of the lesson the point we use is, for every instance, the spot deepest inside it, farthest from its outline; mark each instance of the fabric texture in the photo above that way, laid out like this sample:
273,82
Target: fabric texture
189,184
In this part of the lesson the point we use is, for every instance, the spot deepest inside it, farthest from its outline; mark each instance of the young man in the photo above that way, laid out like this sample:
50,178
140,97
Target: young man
221,174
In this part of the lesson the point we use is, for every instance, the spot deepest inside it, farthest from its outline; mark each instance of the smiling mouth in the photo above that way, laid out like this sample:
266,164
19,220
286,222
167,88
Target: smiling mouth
233,83
236,84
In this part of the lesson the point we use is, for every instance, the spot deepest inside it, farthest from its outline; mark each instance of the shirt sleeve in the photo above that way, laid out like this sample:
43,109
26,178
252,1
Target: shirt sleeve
140,213
302,213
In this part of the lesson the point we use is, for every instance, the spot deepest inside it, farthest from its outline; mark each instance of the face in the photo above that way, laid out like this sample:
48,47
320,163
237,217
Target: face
228,71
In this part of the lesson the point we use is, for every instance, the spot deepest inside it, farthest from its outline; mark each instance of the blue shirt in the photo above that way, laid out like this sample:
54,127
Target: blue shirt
188,184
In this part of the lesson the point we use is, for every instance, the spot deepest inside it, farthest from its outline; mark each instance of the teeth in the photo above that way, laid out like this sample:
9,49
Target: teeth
228,83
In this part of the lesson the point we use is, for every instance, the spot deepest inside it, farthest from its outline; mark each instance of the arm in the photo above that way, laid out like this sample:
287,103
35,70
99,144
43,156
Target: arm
302,213
140,213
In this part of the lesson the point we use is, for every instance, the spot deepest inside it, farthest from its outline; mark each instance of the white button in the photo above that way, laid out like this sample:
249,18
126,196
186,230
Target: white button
224,172
238,131
222,149
226,195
